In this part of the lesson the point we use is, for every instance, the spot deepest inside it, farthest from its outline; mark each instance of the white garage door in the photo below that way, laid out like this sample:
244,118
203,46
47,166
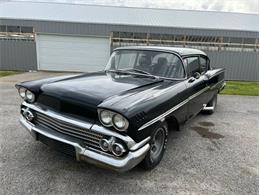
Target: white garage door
68,53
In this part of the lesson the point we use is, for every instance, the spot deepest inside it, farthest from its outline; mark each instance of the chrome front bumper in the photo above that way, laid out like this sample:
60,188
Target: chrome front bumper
136,153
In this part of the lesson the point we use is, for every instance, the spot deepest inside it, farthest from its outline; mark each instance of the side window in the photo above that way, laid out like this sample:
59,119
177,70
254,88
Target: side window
203,65
192,65
176,68
168,65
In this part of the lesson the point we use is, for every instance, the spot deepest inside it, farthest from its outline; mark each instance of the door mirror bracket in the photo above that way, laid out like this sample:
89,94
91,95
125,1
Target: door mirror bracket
208,75
196,75
192,79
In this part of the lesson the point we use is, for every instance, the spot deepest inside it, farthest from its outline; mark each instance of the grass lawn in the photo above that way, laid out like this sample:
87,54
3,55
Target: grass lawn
7,73
241,88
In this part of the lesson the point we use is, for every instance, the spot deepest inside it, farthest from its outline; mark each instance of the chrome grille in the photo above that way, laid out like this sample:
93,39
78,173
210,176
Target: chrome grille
91,138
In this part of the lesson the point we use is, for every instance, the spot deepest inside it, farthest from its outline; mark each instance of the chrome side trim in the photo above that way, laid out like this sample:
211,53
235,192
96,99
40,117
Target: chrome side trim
163,115
160,117
213,86
198,93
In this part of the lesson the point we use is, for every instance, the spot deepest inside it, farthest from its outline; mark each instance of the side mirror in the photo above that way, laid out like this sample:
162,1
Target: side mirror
208,75
192,79
196,75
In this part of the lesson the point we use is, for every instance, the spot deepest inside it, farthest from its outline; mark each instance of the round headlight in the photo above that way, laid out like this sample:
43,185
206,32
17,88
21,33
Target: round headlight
118,149
105,117
29,96
120,122
104,145
22,92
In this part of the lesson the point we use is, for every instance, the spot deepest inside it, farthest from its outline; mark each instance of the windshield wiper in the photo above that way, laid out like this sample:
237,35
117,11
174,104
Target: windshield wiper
129,71
119,71
143,73
138,70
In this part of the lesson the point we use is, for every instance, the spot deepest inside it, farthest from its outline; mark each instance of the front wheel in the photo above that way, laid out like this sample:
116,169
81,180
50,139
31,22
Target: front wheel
157,146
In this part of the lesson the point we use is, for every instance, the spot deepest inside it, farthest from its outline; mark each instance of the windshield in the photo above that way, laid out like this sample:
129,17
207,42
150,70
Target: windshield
157,63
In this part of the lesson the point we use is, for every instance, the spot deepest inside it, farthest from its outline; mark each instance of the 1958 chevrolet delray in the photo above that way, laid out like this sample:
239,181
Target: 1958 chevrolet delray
119,117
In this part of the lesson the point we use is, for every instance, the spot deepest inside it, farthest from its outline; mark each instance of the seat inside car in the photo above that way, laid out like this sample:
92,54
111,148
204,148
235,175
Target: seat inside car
144,63
161,68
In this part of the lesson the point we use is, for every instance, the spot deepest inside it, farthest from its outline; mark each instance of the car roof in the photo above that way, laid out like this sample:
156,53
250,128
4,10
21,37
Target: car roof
179,50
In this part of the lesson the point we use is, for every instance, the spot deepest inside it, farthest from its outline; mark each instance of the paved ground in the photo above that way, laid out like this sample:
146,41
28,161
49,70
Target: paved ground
215,154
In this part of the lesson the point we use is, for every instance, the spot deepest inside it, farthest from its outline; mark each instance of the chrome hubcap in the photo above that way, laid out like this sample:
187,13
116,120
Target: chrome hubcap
157,144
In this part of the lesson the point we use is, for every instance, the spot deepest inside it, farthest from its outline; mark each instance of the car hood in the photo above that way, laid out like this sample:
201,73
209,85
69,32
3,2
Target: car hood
95,88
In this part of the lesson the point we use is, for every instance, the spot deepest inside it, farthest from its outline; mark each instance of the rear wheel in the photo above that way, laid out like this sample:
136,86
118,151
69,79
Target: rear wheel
157,146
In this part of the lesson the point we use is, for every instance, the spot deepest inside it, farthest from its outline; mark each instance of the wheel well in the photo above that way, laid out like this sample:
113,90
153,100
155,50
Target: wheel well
173,123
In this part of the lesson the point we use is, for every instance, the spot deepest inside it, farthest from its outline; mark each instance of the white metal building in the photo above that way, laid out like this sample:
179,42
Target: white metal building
74,37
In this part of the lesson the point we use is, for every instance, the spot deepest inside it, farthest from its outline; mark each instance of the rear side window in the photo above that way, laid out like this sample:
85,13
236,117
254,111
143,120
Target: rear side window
193,65
203,65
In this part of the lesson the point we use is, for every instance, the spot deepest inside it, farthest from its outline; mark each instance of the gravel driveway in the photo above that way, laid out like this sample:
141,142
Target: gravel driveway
216,154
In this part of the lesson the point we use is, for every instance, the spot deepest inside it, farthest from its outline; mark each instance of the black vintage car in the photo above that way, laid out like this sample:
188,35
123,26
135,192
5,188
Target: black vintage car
119,117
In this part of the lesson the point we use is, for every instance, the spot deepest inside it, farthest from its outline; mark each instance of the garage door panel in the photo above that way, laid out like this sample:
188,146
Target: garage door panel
69,42
71,61
67,53
77,67
72,53
80,45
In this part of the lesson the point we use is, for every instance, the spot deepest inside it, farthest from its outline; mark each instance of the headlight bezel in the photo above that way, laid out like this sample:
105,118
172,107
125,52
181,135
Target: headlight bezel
101,120
112,124
23,91
26,94
121,118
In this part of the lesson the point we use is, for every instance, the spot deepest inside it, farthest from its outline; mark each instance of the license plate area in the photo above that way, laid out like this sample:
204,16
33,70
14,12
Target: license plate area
57,145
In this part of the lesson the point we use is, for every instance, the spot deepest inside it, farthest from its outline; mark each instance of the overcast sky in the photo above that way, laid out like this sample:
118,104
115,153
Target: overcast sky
244,6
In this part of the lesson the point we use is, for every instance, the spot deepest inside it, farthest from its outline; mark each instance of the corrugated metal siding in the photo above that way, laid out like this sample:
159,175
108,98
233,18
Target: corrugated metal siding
85,29
17,55
238,65
21,55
